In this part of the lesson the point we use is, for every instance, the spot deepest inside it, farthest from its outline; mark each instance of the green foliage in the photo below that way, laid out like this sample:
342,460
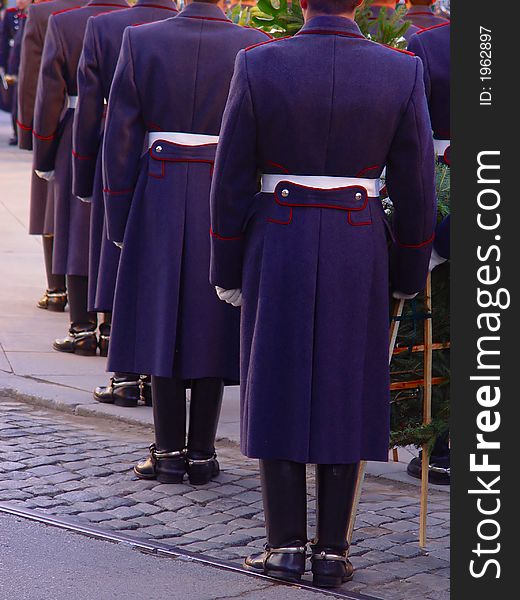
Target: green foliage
278,17
442,184
281,18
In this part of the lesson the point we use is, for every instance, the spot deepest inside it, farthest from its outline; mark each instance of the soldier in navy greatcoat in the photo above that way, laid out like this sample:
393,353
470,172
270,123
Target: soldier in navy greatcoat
168,96
56,100
41,213
97,65
432,45
11,28
420,14
318,116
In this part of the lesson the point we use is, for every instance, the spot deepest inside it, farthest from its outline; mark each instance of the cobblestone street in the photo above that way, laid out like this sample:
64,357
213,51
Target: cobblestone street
81,469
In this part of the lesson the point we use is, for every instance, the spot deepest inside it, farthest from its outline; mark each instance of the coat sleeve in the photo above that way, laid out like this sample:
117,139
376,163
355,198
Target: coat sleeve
50,100
88,116
416,46
32,46
125,130
234,181
411,186
4,41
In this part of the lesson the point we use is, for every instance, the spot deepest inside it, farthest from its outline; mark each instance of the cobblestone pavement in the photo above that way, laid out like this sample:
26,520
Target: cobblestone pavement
82,469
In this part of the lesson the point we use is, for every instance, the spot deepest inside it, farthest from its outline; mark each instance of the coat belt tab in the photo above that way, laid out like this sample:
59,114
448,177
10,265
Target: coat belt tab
372,186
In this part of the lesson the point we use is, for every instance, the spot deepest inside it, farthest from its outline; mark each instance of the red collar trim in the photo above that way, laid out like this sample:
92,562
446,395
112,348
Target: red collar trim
331,32
154,6
287,37
105,4
205,18
434,27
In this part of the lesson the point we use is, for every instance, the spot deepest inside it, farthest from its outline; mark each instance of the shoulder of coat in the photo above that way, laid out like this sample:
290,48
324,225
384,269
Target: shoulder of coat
269,41
421,31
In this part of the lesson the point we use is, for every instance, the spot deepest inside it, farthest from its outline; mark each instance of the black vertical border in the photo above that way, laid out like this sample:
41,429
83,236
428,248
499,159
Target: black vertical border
475,129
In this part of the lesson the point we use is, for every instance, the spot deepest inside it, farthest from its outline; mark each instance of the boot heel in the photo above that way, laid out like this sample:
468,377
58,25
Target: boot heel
103,345
291,577
168,478
326,581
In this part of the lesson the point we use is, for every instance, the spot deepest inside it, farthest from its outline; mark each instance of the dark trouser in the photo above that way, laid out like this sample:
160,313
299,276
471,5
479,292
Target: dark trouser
80,318
54,282
284,492
169,414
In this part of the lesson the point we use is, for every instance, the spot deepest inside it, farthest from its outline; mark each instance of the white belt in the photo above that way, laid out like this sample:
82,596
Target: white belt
73,101
372,186
440,146
186,139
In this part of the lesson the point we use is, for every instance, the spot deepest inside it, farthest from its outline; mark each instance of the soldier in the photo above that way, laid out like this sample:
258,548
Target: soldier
9,28
167,320
389,5
13,65
97,64
307,260
420,14
432,46
52,137
41,214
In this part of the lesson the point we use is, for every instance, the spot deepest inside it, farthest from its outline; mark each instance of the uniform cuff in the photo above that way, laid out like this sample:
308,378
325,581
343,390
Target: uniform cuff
83,173
117,207
226,261
409,268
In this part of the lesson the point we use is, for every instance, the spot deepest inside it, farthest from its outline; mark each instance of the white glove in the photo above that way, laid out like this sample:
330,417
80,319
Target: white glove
402,296
86,200
233,297
436,259
119,244
47,175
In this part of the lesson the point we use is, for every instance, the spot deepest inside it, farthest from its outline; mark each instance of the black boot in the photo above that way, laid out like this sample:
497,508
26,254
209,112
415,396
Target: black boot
122,390
53,300
81,340
284,494
335,486
206,401
164,466
146,390
167,460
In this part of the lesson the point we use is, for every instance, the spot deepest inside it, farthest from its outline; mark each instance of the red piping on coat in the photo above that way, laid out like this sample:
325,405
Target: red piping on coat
205,18
117,192
224,239
425,243
45,138
81,157
366,169
350,187
158,6
59,12
281,167
331,32
22,126
282,222
267,42
433,27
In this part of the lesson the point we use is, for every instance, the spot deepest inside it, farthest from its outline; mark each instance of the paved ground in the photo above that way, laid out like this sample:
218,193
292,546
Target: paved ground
80,468
113,571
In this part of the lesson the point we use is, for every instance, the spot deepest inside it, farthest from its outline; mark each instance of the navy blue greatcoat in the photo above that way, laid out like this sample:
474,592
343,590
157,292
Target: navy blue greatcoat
171,76
41,214
313,266
97,65
52,134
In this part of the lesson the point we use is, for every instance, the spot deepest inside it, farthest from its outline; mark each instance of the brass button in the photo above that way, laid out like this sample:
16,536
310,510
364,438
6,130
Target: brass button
359,195
285,193
158,149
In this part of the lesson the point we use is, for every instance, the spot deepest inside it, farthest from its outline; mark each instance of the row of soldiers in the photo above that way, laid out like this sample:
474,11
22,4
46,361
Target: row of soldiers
172,146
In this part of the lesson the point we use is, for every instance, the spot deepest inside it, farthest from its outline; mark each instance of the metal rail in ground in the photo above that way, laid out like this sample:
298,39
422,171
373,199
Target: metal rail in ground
164,550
